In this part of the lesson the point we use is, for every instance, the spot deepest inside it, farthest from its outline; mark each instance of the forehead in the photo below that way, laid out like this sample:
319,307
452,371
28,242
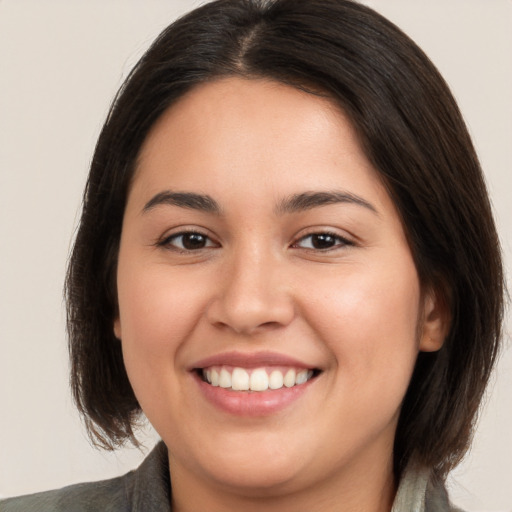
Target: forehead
231,110
237,132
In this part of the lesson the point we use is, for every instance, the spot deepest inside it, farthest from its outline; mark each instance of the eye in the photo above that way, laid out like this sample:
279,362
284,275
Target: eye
188,241
321,241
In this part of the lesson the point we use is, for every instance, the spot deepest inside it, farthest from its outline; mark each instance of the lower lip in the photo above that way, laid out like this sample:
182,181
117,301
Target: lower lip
255,403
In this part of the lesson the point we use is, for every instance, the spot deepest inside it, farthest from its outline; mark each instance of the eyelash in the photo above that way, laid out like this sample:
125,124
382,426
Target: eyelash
167,241
340,241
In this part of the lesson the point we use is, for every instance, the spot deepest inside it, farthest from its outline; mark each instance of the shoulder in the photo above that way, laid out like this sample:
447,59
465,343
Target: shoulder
421,491
107,495
436,498
146,489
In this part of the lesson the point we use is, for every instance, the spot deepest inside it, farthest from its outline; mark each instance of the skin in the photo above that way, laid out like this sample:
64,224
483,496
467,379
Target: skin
354,310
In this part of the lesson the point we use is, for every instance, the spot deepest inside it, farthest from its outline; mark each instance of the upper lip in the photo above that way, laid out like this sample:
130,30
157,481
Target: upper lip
250,360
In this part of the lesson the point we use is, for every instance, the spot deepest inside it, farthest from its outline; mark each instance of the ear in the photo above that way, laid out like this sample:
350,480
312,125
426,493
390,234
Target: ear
117,328
435,324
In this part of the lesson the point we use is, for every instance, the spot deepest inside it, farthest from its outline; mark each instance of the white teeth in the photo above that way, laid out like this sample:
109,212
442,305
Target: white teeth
301,377
275,380
259,380
289,378
239,379
224,378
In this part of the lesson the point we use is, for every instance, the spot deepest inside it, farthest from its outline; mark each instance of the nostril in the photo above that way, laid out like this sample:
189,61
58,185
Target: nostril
269,325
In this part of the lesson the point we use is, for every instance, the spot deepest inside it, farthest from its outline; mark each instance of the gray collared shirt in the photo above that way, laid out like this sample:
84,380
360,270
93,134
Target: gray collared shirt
147,489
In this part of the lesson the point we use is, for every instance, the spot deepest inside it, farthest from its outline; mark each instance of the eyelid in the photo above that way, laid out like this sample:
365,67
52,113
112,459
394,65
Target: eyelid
165,240
345,241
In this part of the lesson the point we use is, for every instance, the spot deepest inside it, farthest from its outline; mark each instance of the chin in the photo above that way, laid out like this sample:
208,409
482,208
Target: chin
254,465
257,479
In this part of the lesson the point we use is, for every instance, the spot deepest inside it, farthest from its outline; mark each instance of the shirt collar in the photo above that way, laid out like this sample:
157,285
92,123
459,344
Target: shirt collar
412,489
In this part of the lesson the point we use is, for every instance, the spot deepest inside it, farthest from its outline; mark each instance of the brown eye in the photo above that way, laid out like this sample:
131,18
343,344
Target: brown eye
193,241
189,241
322,241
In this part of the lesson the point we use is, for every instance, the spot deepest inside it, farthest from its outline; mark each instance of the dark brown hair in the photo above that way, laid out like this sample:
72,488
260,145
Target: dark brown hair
411,130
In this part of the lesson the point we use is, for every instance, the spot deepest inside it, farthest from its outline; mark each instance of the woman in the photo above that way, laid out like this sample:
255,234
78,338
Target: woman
276,263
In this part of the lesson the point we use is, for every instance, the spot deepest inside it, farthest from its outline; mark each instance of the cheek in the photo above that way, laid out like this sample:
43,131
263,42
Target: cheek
368,318
157,312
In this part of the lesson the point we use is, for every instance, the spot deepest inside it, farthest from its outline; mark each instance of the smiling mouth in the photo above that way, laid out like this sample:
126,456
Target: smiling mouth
255,379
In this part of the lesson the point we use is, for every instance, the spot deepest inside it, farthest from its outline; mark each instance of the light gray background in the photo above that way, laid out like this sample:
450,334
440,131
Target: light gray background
60,65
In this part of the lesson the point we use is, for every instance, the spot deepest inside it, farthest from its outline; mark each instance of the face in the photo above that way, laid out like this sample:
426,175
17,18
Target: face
270,308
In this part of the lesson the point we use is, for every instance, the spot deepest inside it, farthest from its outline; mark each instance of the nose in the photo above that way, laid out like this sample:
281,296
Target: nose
253,294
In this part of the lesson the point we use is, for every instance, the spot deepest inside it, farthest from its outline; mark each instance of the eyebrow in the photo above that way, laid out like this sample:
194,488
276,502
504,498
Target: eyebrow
292,204
189,200
308,200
